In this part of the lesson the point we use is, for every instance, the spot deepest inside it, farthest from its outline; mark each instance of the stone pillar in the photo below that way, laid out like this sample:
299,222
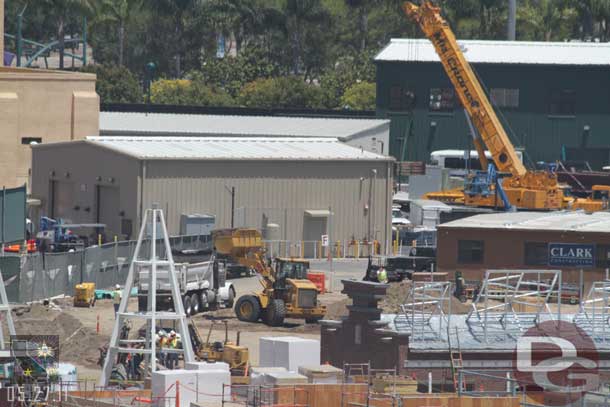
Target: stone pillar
1,32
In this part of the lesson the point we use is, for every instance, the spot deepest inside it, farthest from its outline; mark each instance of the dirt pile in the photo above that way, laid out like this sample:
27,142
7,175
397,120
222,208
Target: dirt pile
78,344
398,294
337,309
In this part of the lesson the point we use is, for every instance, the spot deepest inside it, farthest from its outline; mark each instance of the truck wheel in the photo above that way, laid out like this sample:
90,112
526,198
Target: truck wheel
247,308
231,300
275,313
203,301
188,309
195,303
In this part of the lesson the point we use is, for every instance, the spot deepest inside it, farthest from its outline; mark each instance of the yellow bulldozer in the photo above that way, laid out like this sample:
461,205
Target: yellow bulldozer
286,291
232,353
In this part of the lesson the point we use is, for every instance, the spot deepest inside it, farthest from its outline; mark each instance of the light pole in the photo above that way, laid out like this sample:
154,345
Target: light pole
150,72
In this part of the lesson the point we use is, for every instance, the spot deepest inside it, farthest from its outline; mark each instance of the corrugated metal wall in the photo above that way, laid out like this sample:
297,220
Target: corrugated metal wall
530,125
281,191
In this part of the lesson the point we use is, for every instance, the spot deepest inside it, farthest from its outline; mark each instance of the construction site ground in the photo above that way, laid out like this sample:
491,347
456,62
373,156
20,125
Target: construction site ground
80,343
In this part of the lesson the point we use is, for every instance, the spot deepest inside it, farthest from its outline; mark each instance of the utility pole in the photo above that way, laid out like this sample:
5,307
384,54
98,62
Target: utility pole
512,20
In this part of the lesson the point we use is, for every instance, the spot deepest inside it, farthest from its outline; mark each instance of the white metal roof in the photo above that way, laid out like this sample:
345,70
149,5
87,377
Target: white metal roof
119,123
560,221
502,52
234,148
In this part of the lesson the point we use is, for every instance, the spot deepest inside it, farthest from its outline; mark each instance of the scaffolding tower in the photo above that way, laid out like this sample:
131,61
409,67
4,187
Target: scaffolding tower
423,313
158,261
511,301
594,311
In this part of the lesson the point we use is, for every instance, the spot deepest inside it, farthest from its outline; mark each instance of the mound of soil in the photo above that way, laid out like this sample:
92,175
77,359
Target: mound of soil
398,294
77,343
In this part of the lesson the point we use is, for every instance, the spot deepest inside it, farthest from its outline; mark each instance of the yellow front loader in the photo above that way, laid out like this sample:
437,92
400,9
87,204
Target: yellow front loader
284,294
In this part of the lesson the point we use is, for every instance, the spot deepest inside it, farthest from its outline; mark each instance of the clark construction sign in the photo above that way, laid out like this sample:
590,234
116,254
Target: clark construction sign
571,255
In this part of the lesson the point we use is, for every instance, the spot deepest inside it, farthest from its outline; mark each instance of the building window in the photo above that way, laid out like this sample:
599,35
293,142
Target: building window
30,140
502,97
602,253
442,100
402,98
470,251
536,254
563,102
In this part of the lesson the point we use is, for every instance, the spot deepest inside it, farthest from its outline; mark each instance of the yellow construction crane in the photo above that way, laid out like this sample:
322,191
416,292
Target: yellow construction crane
286,290
520,187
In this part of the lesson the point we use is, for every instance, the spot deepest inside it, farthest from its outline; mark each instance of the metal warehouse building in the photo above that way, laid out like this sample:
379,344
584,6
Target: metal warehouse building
551,97
567,241
297,183
369,134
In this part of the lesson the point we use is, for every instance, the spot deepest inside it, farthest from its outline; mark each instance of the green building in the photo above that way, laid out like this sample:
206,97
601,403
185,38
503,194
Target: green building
552,98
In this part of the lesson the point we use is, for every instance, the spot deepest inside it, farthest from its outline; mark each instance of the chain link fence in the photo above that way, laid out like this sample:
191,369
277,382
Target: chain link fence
36,276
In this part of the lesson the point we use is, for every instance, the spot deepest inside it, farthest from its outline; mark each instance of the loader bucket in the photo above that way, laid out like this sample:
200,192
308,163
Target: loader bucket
237,242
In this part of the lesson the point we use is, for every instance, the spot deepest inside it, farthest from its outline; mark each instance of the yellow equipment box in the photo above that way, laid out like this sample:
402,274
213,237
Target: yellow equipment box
84,295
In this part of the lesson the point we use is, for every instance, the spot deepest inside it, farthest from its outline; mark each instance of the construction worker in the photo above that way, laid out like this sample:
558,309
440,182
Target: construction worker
161,340
116,298
382,275
172,356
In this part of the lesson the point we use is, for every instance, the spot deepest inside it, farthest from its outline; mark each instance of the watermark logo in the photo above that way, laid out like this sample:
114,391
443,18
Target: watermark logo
555,363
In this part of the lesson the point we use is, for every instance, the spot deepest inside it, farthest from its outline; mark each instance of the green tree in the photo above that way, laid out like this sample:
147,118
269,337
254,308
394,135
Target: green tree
232,73
115,84
119,13
188,92
282,92
347,71
179,15
360,96
545,20
308,26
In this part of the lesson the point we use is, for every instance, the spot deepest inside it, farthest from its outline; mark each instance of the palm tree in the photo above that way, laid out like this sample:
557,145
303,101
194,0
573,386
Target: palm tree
117,12
61,9
301,16
360,7
244,19
180,10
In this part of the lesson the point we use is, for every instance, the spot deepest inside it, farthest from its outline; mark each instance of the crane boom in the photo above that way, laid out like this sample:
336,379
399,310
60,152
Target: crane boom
467,86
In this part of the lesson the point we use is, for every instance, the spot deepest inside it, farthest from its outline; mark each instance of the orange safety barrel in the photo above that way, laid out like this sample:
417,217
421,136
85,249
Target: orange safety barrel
318,279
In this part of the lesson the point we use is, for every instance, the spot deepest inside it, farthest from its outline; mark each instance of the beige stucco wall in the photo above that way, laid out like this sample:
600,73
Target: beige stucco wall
50,105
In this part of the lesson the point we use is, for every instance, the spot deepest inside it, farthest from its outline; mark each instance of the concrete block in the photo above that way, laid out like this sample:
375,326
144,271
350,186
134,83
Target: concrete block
164,387
195,386
257,374
206,366
284,379
289,352
257,379
322,374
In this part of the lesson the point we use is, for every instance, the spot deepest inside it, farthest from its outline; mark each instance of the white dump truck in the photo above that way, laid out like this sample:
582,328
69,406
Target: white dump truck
203,287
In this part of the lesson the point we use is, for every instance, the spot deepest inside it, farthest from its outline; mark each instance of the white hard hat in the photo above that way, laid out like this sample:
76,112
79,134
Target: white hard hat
117,286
